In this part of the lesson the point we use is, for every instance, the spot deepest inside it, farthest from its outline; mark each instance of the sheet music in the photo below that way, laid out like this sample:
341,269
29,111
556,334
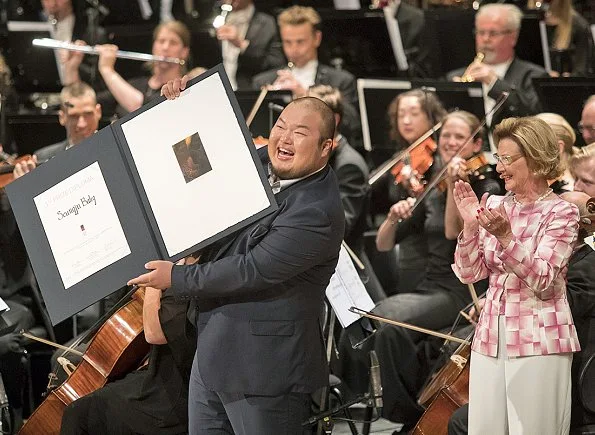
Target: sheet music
346,290
3,306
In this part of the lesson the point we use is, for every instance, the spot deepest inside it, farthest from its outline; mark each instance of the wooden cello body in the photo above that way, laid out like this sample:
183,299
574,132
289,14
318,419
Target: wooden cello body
448,391
118,347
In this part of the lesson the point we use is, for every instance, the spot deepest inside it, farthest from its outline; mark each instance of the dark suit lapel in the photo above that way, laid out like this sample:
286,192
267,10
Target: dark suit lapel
321,75
253,27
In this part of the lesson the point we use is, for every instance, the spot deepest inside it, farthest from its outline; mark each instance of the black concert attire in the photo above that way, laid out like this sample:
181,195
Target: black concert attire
110,106
153,399
259,297
411,25
578,59
342,80
581,297
264,51
352,174
518,81
434,303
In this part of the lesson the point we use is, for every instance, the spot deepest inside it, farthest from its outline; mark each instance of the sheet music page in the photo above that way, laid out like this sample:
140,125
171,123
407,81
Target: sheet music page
346,290
3,306
81,224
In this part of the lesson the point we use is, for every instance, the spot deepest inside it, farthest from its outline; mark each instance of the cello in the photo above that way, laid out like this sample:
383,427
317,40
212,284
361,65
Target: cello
117,348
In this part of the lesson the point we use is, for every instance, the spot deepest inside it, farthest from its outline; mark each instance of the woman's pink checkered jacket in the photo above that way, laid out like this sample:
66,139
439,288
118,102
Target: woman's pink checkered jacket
527,280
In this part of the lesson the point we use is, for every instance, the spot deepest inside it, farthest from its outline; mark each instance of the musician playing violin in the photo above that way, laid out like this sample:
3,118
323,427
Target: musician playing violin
434,303
153,399
411,114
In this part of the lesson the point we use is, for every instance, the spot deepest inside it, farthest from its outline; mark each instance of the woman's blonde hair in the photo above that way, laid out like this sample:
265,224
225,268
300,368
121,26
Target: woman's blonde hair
562,130
537,142
563,11
580,155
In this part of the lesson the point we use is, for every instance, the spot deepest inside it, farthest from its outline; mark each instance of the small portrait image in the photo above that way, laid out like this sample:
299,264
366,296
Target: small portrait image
192,157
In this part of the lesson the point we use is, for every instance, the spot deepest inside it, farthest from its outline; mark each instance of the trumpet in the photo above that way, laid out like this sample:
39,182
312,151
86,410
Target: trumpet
53,43
220,19
467,78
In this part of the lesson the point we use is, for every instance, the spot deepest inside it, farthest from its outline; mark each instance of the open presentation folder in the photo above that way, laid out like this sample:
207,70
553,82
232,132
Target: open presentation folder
161,183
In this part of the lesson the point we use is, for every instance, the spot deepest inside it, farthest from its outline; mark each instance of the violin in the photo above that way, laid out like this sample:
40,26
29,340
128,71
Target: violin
421,159
117,348
7,166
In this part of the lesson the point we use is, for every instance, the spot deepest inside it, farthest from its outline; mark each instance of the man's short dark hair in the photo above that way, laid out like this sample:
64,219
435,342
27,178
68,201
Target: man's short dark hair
327,117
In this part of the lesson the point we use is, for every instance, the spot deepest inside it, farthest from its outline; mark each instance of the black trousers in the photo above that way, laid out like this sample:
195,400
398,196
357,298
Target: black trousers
218,413
92,415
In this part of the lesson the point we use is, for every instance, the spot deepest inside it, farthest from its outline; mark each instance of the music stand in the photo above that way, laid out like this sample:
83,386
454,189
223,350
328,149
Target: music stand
269,110
565,96
34,69
375,97
360,39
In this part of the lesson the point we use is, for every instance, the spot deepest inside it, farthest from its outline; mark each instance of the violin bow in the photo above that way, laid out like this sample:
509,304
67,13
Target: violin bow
400,155
439,176
257,104
382,319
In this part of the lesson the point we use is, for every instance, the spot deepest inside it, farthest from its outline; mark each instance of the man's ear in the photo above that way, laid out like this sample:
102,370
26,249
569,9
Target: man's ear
318,37
62,117
327,147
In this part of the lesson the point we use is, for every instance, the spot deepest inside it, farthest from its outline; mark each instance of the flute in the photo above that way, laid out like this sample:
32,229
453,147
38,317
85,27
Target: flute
220,19
53,43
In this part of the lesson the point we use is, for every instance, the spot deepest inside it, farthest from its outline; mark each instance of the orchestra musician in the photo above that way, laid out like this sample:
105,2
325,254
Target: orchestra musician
352,173
434,303
411,114
299,27
170,39
79,114
496,33
259,294
582,167
520,361
566,137
568,34
586,126
250,43
153,399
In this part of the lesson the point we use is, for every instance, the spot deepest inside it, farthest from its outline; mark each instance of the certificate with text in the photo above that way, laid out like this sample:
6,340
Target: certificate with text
80,221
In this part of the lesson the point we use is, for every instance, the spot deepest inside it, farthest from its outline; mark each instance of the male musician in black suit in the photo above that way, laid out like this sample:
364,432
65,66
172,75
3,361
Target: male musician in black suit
496,33
259,292
250,43
70,24
301,36
352,174
79,114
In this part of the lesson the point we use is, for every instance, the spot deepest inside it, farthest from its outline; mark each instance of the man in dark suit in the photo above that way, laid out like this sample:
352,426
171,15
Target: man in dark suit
352,174
79,114
259,292
496,33
301,36
250,43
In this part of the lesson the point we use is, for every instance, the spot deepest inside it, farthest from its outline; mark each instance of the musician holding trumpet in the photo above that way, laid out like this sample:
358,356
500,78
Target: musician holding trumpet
497,68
